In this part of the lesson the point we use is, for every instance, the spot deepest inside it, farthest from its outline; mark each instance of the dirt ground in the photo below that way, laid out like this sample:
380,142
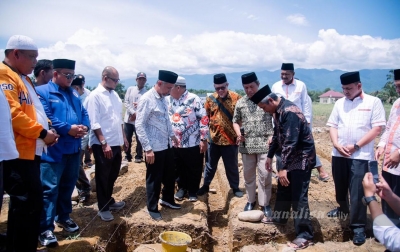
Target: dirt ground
208,219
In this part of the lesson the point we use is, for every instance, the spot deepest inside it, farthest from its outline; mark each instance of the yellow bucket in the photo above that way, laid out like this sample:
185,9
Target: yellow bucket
172,241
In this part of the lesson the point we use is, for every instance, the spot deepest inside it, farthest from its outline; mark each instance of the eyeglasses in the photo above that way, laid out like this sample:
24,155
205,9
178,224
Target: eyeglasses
115,80
68,75
220,88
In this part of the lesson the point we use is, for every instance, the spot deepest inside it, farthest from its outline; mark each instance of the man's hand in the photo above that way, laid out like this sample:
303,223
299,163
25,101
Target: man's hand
132,117
368,184
282,175
51,138
150,157
77,131
126,144
203,146
383,188
393,160
268,164
343,150
175,141
269,140
107,151
240,139
379,152
134,104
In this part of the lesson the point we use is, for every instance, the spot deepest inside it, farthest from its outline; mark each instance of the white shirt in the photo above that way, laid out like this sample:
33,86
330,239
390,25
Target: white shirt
132,95
105,112
390,139
153,126
354,119
8,150
387,233
295,92
41,116
86,93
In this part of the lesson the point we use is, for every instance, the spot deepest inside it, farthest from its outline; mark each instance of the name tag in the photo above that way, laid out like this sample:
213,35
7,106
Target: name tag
52,100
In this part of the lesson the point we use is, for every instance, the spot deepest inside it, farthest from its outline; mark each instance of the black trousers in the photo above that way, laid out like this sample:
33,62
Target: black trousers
161,171
394,183
189,165
296,196
22,183
82,184
129,130
348,175
106,172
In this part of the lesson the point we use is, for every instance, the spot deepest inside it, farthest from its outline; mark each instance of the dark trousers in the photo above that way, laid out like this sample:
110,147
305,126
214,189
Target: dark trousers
189,165
296,196
394,183
129,130
229,154
83,183
106,172
87,156
161,171
348,175
22,183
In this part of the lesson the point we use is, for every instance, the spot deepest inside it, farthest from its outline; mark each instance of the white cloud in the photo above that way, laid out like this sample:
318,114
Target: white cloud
224,51
297,19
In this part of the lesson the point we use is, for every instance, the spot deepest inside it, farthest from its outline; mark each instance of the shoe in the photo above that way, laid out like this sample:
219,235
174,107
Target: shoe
68,225
137,160
106,215
47,238
238,193
128,159
203,190
267,211
172,205
336,213
180,194
89,164
155,215
117,206
359,238
192,198
324,179
249,206
84,196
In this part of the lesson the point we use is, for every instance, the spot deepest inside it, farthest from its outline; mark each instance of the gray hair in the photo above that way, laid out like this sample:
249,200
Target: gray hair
273,96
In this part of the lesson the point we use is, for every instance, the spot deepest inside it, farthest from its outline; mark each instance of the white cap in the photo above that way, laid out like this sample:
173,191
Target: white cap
21,42
180,81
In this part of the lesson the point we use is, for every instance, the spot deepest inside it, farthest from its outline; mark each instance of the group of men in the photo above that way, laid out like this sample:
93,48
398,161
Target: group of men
52,122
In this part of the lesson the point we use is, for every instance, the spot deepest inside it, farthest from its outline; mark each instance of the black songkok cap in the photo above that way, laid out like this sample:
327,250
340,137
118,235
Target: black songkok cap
167,76
77,81
260,94
287,66
350,77
64,63
396,73
80,76
249,78
220,78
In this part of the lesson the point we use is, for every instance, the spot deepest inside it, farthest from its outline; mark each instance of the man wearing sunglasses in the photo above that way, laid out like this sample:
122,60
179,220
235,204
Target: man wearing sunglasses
60,166
220,108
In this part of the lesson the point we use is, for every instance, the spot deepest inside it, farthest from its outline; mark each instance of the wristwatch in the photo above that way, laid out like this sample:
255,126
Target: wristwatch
356,147
367,200
104,142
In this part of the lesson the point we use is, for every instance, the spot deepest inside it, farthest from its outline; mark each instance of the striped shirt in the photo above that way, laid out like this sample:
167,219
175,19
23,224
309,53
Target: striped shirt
353,119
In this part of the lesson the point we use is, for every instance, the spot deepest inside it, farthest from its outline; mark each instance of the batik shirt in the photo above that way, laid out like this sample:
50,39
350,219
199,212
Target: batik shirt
257,126
292,138
390,139
189,119
220,113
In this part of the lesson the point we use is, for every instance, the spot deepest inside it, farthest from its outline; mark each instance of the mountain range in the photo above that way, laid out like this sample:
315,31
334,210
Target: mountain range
315,79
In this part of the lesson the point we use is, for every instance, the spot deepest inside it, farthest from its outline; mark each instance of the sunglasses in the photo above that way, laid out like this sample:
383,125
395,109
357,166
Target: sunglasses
115,80
68,75
220,88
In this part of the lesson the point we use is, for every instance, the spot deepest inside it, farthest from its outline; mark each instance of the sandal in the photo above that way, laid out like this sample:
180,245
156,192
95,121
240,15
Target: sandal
324,179
300,243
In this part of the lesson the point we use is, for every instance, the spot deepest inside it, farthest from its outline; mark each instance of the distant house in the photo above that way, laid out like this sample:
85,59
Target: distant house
330,97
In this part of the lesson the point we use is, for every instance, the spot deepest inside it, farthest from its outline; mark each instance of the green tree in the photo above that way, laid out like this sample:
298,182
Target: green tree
240,91
388,93
120,89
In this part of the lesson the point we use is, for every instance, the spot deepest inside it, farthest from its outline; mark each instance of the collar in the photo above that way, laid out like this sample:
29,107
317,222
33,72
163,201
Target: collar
292,83
183,96
280,105
12,68
156,95
103,89
360,96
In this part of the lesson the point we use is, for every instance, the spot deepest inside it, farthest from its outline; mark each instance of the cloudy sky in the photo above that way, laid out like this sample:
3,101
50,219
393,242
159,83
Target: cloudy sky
208,36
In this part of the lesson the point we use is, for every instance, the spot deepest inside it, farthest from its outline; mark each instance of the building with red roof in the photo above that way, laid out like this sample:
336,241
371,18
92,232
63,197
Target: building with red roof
330,97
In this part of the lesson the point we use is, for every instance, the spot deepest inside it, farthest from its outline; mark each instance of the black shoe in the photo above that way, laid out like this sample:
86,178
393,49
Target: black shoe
359,238
68,225
336,213
249,206
84,196
238,193
47,238
171,205
203,190
180,194
128,159
155,215
267,211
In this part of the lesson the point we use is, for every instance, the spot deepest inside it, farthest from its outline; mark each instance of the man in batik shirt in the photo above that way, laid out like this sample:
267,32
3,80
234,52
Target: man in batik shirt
219,107
294,141
190,125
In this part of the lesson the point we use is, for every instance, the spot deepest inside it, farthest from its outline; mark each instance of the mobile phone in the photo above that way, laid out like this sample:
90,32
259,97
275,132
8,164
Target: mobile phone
373,168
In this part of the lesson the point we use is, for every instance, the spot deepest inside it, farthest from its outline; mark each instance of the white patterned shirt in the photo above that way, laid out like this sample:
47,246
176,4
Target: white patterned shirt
8,150
295,92
353,119
390,139
153,126
189,119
